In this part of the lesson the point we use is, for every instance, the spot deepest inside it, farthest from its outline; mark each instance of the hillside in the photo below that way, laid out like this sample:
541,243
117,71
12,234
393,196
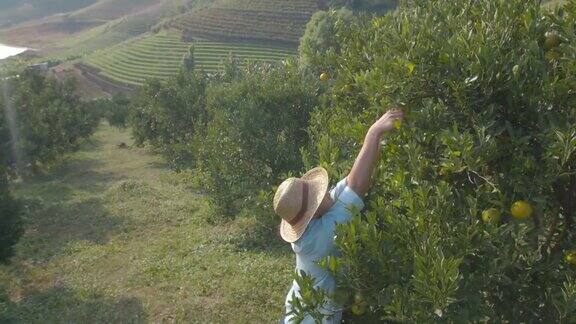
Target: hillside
101,24
151,56
160,56
249,29
249,20
113,236
14,12
209,55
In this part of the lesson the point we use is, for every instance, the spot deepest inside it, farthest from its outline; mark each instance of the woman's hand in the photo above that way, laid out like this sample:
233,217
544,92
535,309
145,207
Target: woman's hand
386,122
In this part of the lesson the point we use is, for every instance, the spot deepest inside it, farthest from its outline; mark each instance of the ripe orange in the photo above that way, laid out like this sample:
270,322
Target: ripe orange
324,77
570,257
521,210
491,215
552,39
359,306
358,309
516,70
553,55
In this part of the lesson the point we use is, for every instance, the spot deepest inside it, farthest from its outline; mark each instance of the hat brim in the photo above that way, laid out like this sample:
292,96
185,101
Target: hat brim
318,181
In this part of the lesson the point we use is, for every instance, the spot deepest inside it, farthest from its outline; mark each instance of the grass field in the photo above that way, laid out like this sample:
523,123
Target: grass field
151,56
209,55
160,56
553,3
112,236
112,9
250,20
105,35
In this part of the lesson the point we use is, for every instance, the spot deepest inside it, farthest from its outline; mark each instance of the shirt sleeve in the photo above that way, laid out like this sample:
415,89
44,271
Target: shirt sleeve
344,194
344,200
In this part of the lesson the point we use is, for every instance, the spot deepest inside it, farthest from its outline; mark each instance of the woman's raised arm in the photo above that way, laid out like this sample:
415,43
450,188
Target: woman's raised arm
361,173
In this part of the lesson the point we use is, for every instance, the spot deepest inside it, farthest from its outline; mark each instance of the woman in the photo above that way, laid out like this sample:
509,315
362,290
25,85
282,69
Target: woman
310,213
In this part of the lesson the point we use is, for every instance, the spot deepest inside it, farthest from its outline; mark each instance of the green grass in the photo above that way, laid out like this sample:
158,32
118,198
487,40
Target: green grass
111,9
292,6
249,25
278,21
151,56
160,56
113,236
552,3
209,55
108,34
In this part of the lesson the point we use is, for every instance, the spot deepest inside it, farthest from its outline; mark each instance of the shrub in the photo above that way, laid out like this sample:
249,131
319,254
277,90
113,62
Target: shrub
491,117
39,120
256,127
117,110
167,116
47,117
320,38
10,220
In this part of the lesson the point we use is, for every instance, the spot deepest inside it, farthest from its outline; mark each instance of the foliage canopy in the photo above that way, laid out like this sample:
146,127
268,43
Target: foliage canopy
490,120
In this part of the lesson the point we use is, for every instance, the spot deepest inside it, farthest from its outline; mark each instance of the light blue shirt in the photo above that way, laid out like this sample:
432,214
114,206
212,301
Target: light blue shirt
317,242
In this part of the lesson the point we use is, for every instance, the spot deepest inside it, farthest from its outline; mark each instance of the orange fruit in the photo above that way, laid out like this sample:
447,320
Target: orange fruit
553,55
552,39
521,210
570,257
359,306
491,215
516,70
358,309
324,77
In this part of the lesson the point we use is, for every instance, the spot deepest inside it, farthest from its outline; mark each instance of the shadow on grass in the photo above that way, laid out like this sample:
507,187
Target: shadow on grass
73,307
66,204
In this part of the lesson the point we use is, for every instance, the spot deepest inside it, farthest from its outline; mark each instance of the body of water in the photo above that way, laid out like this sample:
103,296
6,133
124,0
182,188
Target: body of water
7,51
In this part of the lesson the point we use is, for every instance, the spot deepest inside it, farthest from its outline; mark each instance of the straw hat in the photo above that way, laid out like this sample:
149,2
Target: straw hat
296,201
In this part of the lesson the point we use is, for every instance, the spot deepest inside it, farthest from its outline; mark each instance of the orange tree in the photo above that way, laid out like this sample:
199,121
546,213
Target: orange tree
40,119
256,125
10,210
489,90
239,129
167,116
10,219
48,118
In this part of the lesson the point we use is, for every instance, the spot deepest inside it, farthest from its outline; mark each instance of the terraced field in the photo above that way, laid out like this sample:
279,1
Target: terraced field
160,56
209,55
278,21
287,6
152,56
